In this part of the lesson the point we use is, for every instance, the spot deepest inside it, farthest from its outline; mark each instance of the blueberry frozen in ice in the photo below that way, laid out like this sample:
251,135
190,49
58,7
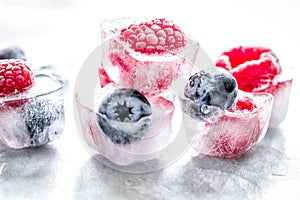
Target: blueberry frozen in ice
12,52
36,116
40,118
114,132
125,143
124,116
221,120
218,88
235,130
213,87
31,106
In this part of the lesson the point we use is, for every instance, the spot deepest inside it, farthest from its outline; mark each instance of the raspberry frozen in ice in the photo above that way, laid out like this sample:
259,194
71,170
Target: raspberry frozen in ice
15,77
156,36
149,58
148,55
257,69
31,106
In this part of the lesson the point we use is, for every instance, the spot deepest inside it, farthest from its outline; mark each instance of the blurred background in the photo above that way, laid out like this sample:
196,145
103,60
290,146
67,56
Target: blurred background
66,31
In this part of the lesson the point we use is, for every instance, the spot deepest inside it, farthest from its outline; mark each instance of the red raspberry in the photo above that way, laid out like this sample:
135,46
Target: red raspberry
244,103
155,36
15,77
154,39
254,68
104,78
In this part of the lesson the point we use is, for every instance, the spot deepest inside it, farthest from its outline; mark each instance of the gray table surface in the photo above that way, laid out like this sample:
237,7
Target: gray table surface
64,169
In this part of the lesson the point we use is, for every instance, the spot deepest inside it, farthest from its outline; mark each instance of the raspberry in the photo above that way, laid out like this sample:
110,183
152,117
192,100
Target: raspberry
257,69
152,67
15,77
254,68
244,103
104,78
155,36
239,55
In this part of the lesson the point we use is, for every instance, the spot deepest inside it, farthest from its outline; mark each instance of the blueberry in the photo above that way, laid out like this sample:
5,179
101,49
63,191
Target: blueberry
229,85
124,116
211,87
43,119
198,89
12,52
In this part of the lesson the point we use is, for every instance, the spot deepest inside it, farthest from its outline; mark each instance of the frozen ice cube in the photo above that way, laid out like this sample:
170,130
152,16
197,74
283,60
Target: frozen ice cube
281,93
35,117
235,131
150,74
157,136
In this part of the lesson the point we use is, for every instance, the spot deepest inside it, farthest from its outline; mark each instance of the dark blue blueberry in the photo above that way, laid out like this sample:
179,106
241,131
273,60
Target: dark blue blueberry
197,89
124,116
12,52
212,87
43,120
229,85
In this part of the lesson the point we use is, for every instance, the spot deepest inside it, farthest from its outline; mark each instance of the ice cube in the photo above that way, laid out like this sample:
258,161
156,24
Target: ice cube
110,28
149,74
233,133
35,117
281,93
157,137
